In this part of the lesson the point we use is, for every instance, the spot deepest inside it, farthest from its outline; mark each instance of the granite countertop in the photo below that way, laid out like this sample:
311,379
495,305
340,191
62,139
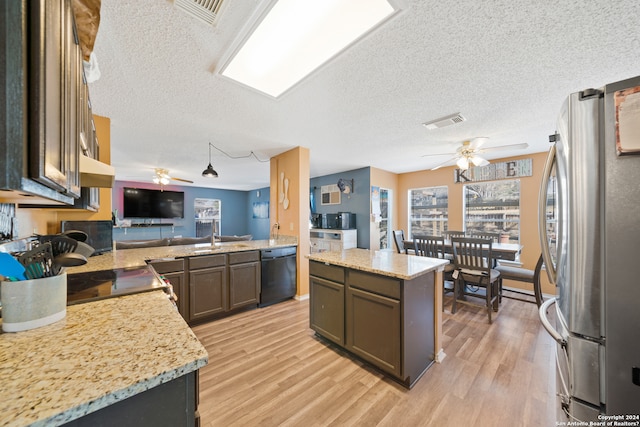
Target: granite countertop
100,353
122,258
386,263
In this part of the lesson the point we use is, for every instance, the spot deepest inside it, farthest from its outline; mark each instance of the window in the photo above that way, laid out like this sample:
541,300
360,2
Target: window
428,210
493,207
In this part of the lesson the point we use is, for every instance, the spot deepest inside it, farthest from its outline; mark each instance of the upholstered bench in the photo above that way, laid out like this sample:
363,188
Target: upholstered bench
522,275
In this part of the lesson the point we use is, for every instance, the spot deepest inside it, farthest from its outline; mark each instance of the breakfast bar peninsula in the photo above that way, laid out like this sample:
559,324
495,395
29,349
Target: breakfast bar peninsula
381,307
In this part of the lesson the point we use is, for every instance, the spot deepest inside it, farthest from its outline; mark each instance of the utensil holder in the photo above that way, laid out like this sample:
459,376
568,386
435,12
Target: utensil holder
30,304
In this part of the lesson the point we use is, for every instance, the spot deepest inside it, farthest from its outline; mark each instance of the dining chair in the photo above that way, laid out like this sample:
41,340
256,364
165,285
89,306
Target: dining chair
398,238
475,277
494,237
522,275
449,234
433,247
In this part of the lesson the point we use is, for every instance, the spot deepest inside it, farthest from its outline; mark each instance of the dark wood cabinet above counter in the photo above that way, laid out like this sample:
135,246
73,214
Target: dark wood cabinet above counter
46,125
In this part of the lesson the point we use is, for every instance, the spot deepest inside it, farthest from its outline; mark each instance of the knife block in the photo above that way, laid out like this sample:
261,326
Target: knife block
29,304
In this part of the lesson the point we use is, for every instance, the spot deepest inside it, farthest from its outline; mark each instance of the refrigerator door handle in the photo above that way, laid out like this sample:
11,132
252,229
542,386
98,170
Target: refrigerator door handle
542,312
542,215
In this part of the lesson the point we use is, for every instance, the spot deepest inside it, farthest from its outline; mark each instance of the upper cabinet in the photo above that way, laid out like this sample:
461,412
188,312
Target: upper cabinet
47,120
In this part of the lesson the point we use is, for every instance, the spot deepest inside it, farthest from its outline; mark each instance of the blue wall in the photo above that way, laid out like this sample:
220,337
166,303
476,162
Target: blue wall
258,227
236,216
357,202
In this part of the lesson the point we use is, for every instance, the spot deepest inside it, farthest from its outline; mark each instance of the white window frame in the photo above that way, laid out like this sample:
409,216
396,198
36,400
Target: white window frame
443,220
493,221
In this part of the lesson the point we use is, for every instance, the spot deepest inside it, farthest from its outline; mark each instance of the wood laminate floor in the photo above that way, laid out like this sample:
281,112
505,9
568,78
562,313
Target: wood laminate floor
267,368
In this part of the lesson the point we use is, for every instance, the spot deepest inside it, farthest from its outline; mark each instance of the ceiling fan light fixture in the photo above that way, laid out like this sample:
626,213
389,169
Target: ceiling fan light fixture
463,163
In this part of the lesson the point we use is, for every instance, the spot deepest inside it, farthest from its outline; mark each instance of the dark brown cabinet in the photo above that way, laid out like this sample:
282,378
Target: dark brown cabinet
373,329
55,70
173,271
47,109
208,286
244,279
326,287
213,286
386,321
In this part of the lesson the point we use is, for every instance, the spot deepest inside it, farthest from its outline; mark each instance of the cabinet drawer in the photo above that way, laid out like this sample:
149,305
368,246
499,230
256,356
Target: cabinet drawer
206,261
242,257
330,272
380,285
169,266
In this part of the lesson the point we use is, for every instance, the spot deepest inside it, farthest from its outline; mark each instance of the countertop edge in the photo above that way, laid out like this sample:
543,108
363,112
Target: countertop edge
361,260
120,395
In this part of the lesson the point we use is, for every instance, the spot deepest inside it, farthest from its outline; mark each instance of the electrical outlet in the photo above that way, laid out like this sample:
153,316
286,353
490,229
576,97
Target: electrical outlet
291,226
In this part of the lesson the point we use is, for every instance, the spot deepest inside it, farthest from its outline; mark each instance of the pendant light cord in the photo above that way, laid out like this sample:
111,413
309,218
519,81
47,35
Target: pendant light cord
251,154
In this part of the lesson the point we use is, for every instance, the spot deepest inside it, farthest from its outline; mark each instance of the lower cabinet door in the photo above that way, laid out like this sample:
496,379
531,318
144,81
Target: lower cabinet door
244,284
373,329
326,308
207,292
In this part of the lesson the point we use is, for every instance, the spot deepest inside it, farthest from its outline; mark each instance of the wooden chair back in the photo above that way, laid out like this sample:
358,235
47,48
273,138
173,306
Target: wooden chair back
450,234
472,255
429,246
494,237
398,239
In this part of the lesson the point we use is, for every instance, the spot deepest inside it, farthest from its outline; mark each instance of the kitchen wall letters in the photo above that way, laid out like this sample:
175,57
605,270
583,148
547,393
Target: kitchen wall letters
494,171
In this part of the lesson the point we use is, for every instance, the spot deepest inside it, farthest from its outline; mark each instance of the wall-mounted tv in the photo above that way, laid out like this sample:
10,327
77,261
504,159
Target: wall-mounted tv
144,203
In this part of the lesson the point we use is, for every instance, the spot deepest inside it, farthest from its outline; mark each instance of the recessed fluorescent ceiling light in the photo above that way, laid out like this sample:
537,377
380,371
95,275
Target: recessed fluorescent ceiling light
297,36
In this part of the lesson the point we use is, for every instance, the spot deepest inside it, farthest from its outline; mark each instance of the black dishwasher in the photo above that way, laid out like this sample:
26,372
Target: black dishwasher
279,278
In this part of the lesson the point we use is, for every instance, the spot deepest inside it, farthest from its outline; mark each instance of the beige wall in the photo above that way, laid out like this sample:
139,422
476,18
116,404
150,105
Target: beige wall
47,221
294,221
529,189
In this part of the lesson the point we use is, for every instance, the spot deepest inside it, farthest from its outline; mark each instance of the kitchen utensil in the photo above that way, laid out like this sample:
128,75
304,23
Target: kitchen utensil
63,245
11,267
285,202
281,194
38,262
78,235
70,259
84,249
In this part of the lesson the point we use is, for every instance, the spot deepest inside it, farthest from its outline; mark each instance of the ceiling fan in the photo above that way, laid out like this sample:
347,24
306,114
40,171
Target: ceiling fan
469,153
162,177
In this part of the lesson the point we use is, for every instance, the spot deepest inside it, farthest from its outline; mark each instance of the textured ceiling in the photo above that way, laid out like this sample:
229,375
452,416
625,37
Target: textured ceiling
505,65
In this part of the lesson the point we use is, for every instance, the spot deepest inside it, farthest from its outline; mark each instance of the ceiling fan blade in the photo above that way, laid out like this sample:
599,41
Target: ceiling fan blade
182,180
439,154
444,163
504,147
476,143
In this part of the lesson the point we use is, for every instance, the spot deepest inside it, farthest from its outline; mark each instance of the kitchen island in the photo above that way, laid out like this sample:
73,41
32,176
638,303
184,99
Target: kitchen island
380,306
129,360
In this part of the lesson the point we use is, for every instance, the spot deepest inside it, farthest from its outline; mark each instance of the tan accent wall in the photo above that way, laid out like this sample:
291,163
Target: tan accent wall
293,221
529,189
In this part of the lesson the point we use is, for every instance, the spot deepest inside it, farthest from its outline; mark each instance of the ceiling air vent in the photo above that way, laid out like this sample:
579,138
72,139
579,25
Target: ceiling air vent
204,10
444,121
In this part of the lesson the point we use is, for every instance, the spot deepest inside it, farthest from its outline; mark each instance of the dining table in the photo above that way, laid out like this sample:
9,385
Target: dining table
499,251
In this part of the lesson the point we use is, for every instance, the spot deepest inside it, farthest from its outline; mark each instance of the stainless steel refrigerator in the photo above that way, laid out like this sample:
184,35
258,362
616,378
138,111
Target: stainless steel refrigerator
590,233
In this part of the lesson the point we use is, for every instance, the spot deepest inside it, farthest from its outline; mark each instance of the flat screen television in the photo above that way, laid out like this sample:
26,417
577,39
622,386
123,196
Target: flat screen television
144,203
100,233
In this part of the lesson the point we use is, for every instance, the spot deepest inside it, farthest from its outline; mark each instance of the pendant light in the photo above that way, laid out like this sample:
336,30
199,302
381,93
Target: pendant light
209,172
